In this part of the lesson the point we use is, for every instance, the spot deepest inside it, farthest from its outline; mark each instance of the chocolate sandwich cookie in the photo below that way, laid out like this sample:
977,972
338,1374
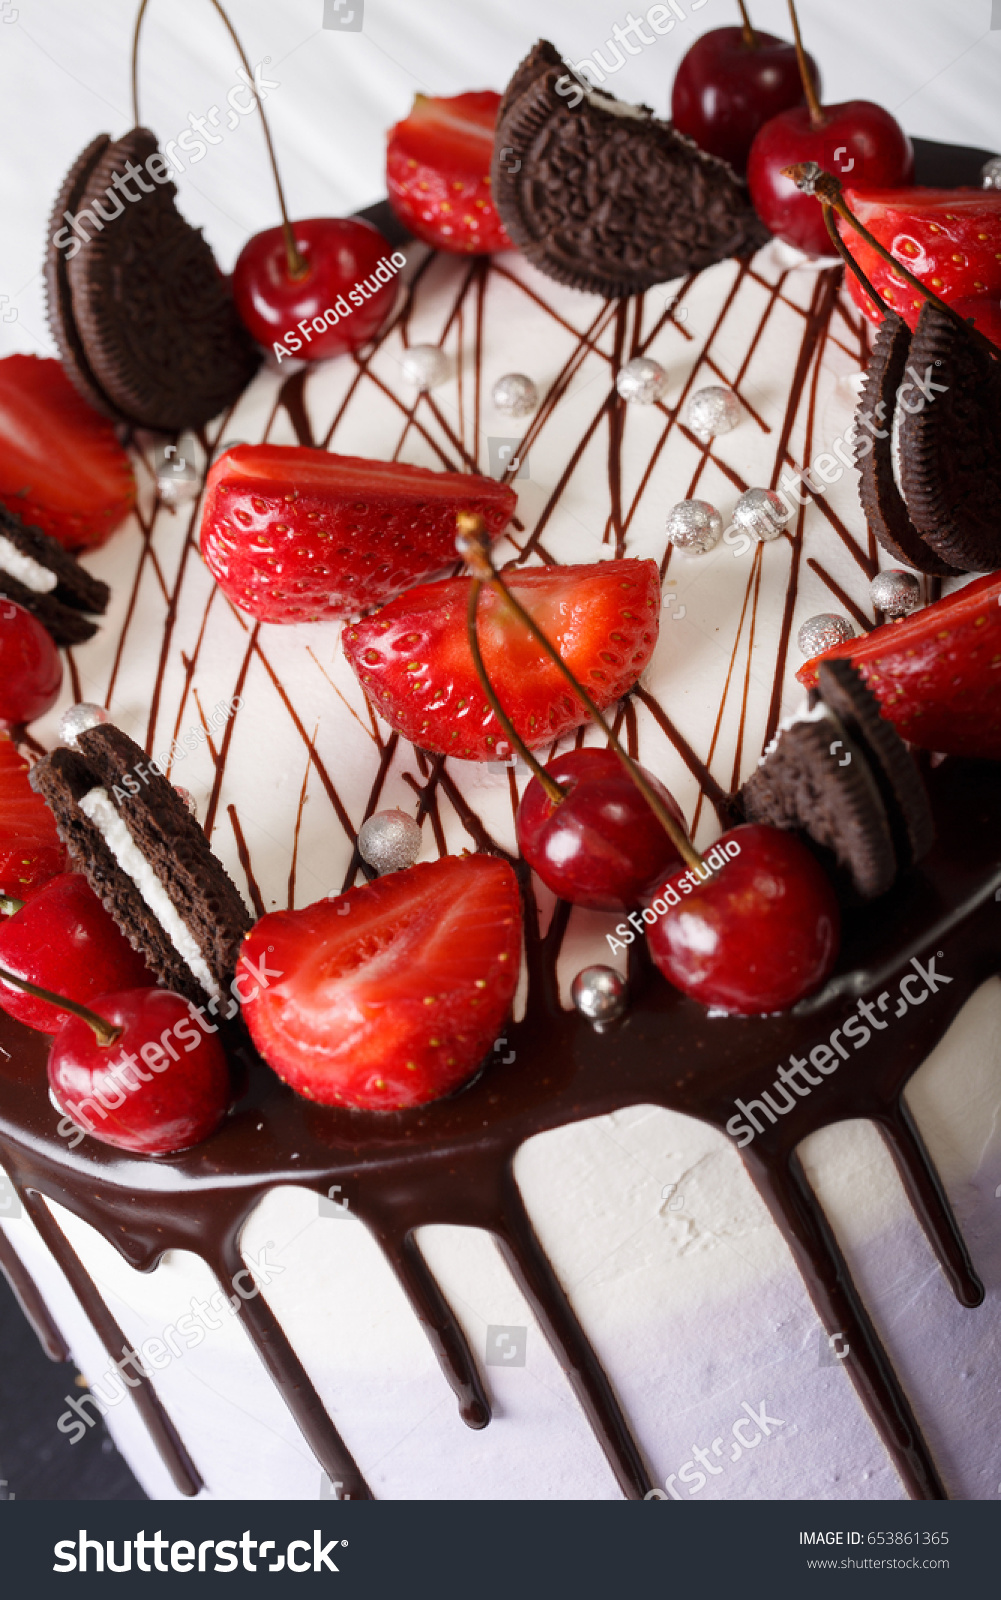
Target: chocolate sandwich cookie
884,506
137,305
950,443
843,775
47,581
602,195
148,861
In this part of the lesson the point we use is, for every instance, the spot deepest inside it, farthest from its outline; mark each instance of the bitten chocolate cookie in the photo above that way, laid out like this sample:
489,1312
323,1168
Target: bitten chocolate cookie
147,860
950,447
882,502
46,580
841,773
841,687
137,305
603,196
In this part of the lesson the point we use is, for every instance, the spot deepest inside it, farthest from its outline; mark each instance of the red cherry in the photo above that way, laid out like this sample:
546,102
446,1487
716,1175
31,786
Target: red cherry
163,1084
31,673
857,138
757,935
64,940
726,88
341,256
601,846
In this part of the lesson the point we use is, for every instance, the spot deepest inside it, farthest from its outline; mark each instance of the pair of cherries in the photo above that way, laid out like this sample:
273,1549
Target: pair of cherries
756,936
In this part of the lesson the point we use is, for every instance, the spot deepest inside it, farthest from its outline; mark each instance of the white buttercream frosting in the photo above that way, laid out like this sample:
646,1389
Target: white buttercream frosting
98,806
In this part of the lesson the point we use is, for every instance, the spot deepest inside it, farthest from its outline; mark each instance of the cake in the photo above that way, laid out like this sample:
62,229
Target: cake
679,1319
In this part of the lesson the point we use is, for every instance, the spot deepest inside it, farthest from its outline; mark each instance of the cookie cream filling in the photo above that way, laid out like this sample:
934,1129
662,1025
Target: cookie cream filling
25,569
895,457
99,808
818,713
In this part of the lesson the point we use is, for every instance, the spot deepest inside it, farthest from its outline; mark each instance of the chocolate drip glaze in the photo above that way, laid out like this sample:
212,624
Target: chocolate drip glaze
452,1162
25,1291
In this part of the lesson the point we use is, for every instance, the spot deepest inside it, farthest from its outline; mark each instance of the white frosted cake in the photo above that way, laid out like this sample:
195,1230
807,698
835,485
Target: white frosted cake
683,1284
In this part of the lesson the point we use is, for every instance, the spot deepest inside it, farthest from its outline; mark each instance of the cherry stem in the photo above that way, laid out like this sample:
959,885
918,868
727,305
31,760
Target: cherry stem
473,545
297,265
552,788
105,1032
9,907
817,118
825,187
750,37
849,260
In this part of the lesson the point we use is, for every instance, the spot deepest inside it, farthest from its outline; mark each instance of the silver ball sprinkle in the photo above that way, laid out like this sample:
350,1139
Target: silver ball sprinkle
694,526
177,478
641,381
990,173
77,719
599,993
713,410
761,512
896,593
823,632
389,841
515,395
187,797
425,366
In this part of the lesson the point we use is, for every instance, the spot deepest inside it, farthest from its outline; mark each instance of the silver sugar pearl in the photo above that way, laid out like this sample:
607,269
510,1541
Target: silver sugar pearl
599,993
695,526
177,478
990,173
425,366
77,719
389,841
641,381
823,632
187,797
895,592
713,410
515,395
761,512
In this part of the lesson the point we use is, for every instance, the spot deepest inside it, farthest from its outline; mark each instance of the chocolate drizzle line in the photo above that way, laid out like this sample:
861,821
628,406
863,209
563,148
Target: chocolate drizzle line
452,1161
25,1291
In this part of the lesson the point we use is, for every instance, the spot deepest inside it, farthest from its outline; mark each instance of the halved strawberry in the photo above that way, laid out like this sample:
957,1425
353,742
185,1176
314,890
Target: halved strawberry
389,995
294,535
62,468
937,674
413,659
438,172
31,851
949,238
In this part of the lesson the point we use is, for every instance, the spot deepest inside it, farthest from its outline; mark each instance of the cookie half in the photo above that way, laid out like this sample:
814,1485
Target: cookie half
46,580
147,860
901,788
58,298
885,509
815,777
140,311
950,445
841,773
605,197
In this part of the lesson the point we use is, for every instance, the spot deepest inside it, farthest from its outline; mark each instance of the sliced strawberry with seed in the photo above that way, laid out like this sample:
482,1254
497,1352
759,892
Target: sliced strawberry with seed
392,994
30,849
937,674
62,468
413,659
438,173
294,535
949,238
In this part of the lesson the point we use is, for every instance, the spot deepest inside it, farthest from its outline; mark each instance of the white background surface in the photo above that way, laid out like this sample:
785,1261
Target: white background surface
64,77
